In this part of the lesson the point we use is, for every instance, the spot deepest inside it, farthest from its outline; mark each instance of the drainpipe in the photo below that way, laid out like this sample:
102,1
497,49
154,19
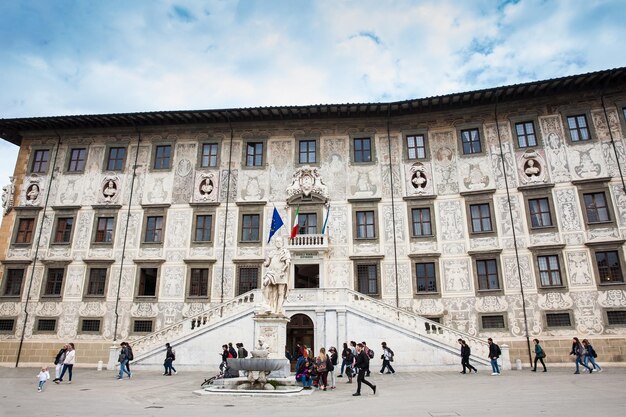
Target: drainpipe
230,159
393,209
508,198
32,271
130,202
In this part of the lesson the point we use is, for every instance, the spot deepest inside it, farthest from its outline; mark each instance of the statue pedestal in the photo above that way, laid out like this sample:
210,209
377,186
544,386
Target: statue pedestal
272,330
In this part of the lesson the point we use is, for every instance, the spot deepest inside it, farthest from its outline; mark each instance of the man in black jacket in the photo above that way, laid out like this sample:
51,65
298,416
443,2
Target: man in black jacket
466,351
494,354
363,364
58,362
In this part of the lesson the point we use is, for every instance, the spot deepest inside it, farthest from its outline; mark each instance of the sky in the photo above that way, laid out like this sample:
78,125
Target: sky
61,57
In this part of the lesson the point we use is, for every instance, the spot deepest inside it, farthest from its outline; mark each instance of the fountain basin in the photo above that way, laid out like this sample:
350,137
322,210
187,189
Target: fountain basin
256,364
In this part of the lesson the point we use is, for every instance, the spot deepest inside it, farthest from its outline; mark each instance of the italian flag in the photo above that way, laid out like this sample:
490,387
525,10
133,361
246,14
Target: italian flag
294,229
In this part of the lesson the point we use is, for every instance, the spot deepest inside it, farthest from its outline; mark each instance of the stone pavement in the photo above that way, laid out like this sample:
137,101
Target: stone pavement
429,394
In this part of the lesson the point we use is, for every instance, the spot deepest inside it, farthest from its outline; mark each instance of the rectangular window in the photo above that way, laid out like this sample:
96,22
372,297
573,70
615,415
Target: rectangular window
487,271
199,282
421,222
362,150
307,152
115,160
142,326
254,154
90,326
209,155
367,276
162,156
148,282
13,283
77,160
7,325
526,134
248,279
25,231
416,146
365,225
470,138
540,215
204,225
549,271
597,208
616,317
63,233
154,229
46,325
609,267
493,322
104,230
97,282
578,128
307,223
250,227
40,161
558,320
481,218
426,279
54,282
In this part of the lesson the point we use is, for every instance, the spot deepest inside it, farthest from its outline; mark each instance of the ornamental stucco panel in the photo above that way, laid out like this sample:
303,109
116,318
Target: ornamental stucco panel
158,188
428,307
608,152
127,280
491,304
475,174
170,313
338,275
456,275
586,161
281,168
538,239
555,151
388,225
612,298
495,154
178,227
445,158
587,316
92,309
451,222
453,248
75,277
404,277
599,121
144,310
512,274
334,162
620,204
173,281
365,182
555,301
579,268
253,185
396,156
232,187
461,314
68,323
568,209
338,225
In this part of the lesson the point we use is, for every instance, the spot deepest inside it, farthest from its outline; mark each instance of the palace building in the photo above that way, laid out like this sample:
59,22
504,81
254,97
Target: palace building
492,213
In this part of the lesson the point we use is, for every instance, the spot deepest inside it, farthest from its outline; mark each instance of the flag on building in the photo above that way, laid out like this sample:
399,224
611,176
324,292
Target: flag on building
294,229
326,221
277,223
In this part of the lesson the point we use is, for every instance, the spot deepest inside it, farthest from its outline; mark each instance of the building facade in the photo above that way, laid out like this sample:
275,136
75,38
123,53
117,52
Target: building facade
495,213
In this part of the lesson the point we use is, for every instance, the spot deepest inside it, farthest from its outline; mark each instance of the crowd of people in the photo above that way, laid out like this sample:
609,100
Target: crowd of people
320,371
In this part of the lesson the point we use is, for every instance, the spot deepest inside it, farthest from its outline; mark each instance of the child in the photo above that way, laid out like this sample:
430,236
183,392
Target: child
43,376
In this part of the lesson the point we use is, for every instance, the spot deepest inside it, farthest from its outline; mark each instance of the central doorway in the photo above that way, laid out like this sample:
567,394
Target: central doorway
306,276
299,330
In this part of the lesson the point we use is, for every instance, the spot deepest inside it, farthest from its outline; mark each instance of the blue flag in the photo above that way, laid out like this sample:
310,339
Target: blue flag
277,223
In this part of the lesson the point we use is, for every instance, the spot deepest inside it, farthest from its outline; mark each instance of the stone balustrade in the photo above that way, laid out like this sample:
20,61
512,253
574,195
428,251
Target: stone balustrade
304,242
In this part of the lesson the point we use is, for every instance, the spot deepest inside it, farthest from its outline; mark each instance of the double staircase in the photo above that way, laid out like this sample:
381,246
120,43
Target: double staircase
402,321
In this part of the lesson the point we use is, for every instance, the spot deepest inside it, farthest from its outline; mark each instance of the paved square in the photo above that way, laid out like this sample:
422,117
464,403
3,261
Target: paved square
433,394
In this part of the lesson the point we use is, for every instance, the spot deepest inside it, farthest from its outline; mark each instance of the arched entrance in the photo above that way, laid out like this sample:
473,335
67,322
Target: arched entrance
299,330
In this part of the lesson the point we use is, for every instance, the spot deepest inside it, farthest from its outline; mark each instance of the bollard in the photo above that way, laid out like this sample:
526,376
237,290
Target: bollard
518,364
100,365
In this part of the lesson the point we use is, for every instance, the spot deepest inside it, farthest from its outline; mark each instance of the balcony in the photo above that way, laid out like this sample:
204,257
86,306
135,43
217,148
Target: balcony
305,243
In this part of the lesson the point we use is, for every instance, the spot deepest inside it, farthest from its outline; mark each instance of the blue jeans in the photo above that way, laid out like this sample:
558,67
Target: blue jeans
344,363
67,368
593,362
306,381
494,366
41,384
169,366
124,368
579,361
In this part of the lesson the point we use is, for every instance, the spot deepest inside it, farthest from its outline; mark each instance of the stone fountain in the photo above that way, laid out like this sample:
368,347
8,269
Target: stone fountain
256,369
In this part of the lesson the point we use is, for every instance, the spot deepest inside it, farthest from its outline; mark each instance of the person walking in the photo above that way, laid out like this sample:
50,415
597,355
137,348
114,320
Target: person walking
344,355
68,363
58,363
539,356
363,365
494,354
123,359
170,357
578,351
387,358
43,377
590,355
370,354
466,351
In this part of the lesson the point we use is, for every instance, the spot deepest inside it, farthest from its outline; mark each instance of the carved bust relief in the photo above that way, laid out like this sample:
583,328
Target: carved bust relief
531,167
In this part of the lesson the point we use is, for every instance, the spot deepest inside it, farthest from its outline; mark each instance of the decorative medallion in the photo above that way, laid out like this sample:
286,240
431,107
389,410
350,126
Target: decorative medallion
306,181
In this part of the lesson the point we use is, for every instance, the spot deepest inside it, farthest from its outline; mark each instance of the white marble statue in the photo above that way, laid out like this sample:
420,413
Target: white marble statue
276,278
7,196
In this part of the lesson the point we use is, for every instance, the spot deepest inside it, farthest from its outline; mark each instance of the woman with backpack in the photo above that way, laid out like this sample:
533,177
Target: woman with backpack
590,355
344,359
539,355
579,351
170,357
323,365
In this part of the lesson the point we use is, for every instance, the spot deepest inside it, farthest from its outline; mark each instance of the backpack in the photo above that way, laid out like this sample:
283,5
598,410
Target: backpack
245,353
173,355
130,353
321,367
370,353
